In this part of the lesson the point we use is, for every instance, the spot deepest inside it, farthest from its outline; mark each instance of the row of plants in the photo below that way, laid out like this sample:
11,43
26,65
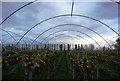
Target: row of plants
88,64
93,64
29,61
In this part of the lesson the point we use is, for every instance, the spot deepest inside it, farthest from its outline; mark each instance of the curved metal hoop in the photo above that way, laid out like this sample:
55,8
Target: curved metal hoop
28,5
9,38
17,11
9,34
74,31
62,36
72,34
16,35
64,16
111,39
72,25
101,42
27,38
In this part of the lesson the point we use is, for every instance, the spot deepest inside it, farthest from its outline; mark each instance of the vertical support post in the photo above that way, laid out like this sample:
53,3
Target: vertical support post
72,8
68,47
61,47
75,46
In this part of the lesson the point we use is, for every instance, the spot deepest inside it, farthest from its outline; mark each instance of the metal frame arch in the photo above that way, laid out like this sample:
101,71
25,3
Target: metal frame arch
77,36
74,31
15,34
68,15
112,38
63,36
72,25
20,36
58,32
29,4
66,35
10,37
17,11
9,34
79,32
101,42
28,39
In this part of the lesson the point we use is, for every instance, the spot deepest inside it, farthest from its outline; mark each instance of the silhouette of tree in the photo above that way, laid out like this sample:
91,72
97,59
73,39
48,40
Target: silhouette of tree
117,45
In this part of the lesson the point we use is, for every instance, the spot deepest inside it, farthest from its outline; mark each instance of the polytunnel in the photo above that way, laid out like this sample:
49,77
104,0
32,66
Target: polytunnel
62,39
